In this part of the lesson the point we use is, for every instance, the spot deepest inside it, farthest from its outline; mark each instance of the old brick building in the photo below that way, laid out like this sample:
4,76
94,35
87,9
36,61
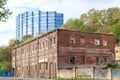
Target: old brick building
59,49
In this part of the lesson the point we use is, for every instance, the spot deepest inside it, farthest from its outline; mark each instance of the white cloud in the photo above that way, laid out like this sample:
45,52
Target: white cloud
70,8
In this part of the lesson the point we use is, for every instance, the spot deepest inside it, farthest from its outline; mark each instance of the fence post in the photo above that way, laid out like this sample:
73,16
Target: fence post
74,72
109,74
93,72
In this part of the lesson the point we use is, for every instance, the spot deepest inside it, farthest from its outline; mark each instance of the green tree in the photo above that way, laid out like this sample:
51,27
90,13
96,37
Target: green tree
99,18
104,29
3,11
75,24
100,21
5,55
116,31
13,43
27,37
5,66
2,54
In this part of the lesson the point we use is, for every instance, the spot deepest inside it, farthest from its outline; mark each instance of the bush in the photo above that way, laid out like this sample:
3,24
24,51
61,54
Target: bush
109,65
5,67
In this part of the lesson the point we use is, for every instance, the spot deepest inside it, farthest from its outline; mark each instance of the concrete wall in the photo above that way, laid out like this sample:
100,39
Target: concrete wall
87,72
66,73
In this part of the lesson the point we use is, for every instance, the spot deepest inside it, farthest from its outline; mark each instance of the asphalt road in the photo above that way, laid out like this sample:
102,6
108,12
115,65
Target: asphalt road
15,78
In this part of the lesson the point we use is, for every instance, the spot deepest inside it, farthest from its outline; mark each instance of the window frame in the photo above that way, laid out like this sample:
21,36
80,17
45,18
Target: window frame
97,59
106,60
82,40
83,59
72,59
72,40
105,43
96,42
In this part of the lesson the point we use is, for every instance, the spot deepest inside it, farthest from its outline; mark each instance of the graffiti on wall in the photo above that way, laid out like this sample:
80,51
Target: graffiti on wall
85,72
100,73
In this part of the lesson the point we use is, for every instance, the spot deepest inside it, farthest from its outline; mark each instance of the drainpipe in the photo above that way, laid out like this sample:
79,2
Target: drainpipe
29,61
15,65
37,57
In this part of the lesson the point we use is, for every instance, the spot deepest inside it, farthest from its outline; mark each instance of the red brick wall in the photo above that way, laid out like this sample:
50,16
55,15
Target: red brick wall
27,57
89,50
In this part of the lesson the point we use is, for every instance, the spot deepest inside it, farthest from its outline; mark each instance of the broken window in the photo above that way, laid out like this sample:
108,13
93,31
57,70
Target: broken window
46,65
39,45
43,45
50,42
46,43
54,40
35,67
72,41
116,51
72,59
96,42
83,59
105,60
97,60
104,42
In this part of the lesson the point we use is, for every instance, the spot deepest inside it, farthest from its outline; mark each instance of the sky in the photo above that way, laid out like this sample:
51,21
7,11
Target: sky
70,9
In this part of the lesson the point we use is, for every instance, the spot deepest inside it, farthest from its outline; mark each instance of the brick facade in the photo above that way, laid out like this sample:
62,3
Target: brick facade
59,49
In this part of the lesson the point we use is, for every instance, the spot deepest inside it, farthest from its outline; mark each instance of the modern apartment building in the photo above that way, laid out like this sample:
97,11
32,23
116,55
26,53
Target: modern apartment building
34,23
47,54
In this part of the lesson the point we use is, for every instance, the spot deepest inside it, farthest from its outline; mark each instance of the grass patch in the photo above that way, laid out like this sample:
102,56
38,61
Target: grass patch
76,79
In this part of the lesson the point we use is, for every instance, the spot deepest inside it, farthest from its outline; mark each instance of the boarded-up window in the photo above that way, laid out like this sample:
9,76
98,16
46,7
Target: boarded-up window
43,66
82,40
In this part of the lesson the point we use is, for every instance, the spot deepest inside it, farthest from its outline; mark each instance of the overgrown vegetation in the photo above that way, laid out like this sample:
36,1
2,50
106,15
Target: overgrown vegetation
27,37
114,66
5,53
5,64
